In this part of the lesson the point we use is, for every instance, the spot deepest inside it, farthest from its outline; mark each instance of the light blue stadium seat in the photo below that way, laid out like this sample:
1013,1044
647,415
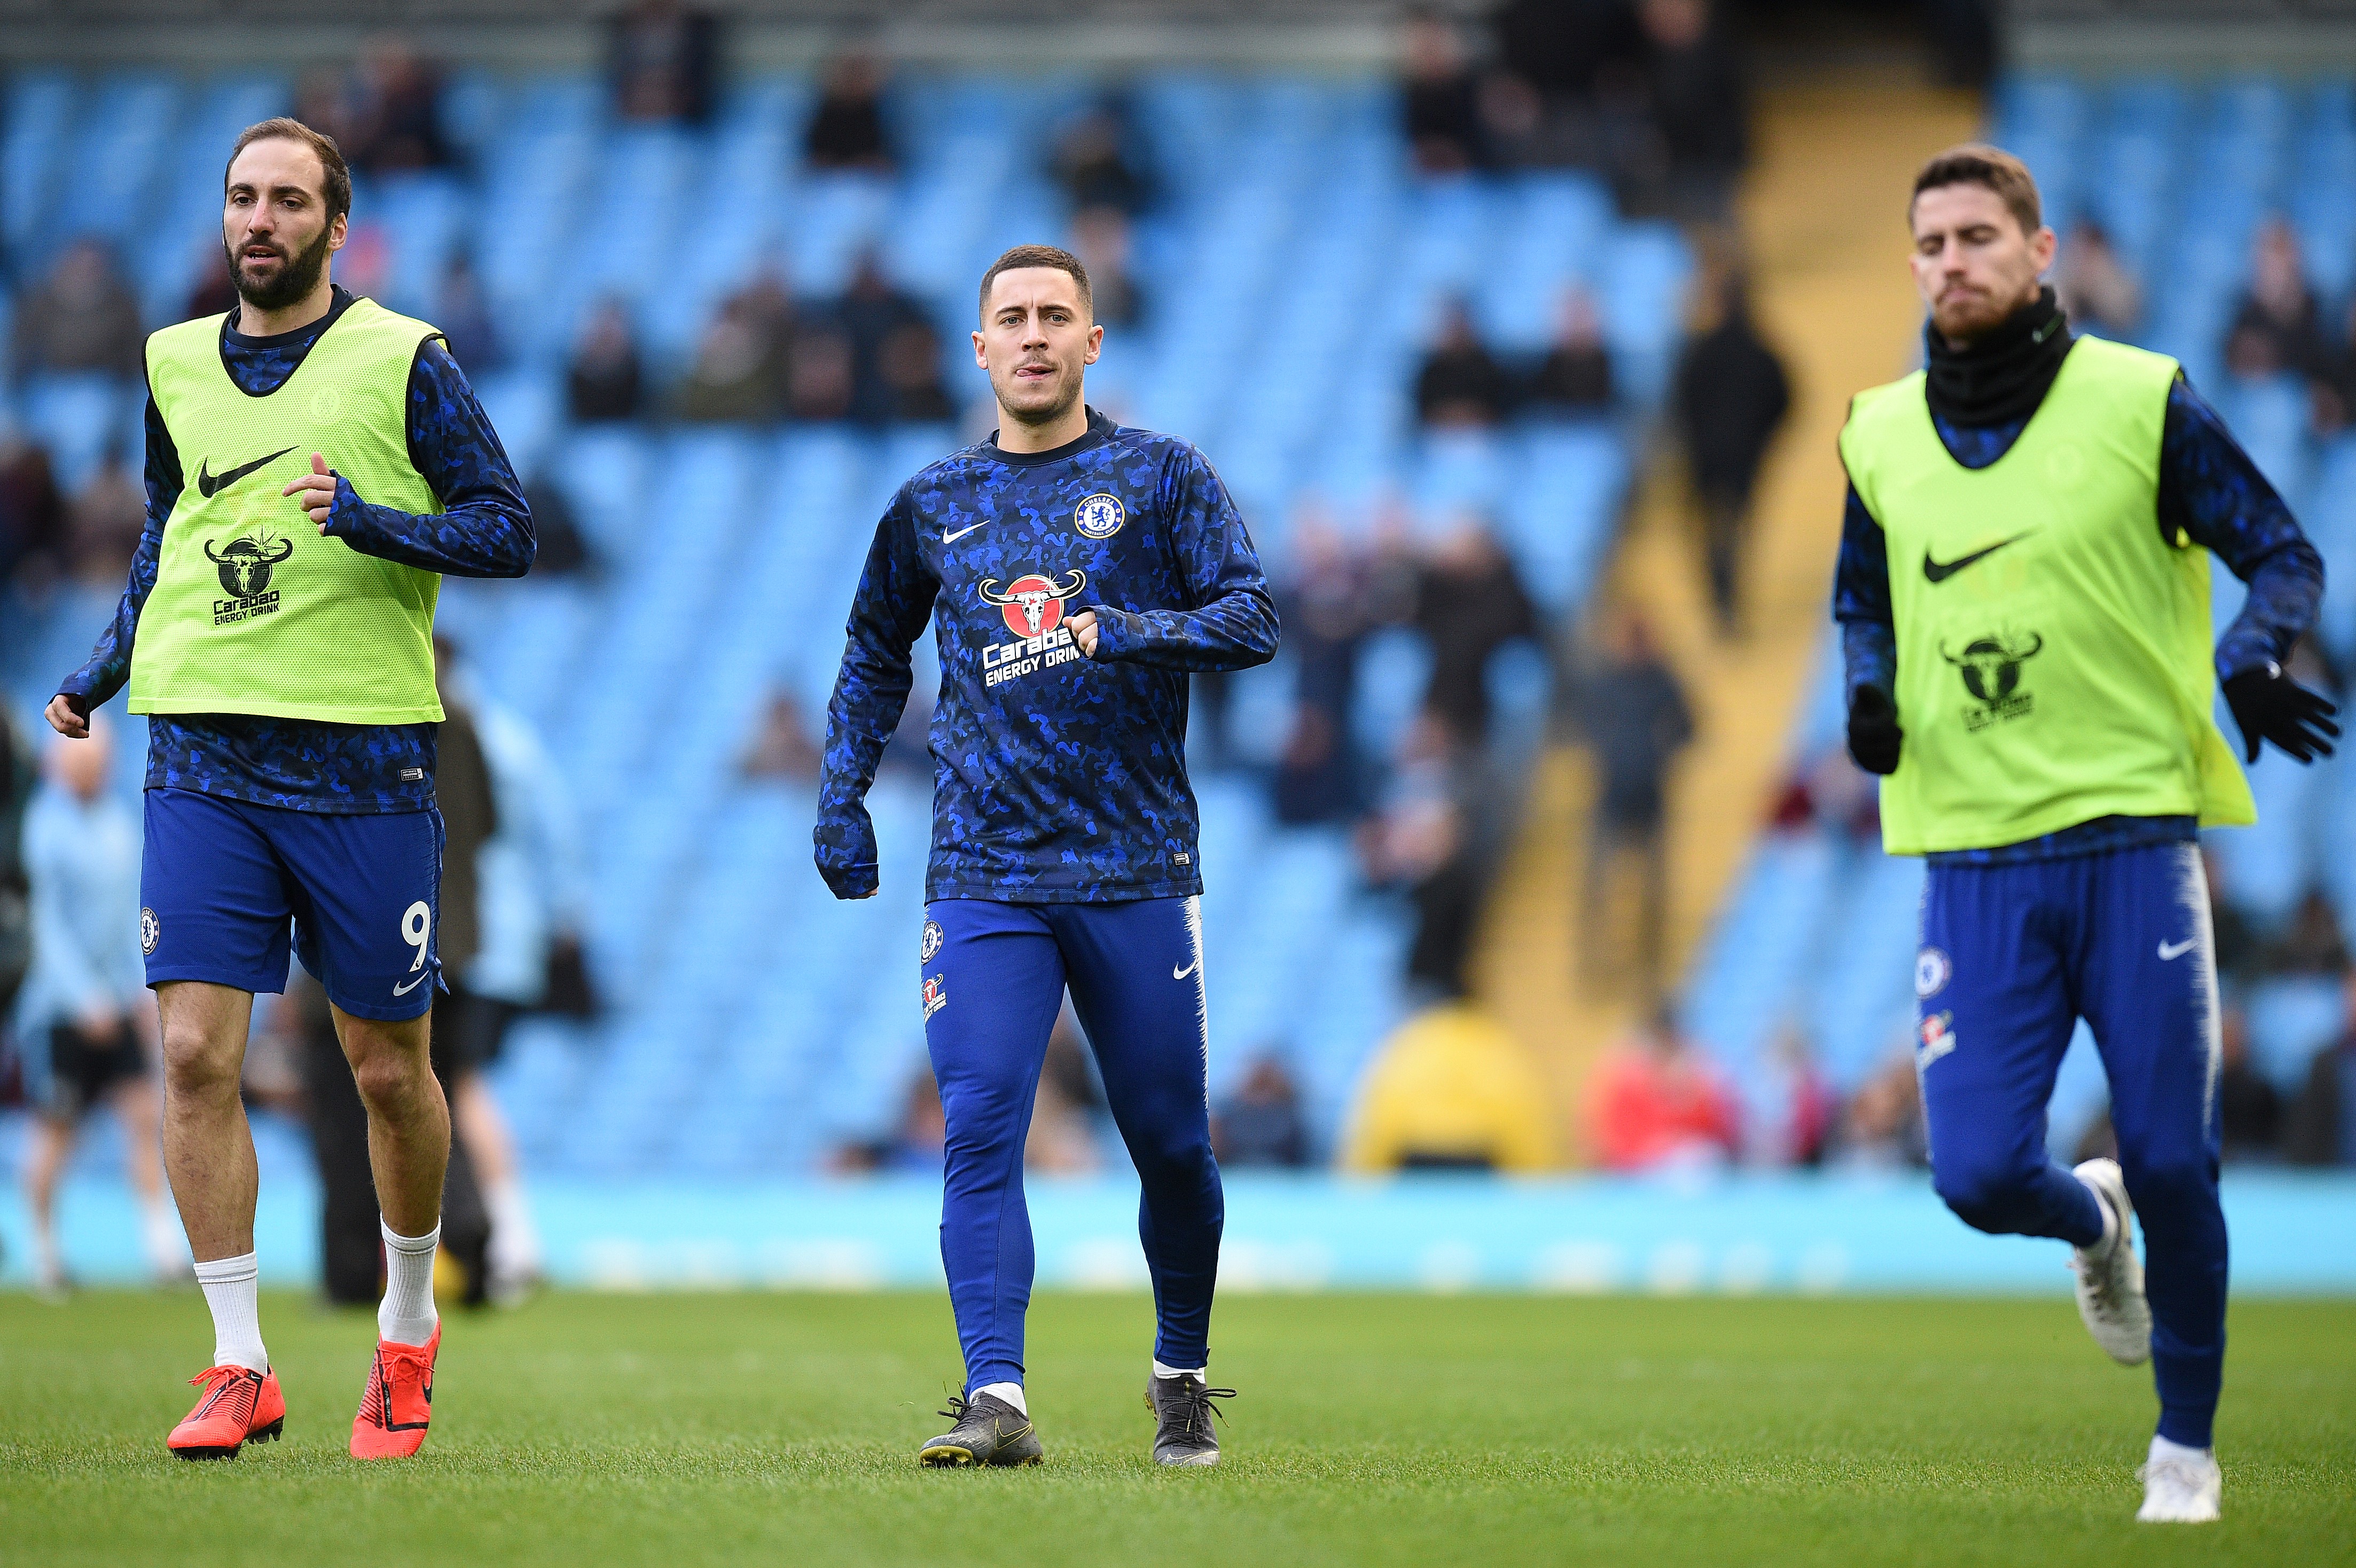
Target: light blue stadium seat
39,108
2290,1020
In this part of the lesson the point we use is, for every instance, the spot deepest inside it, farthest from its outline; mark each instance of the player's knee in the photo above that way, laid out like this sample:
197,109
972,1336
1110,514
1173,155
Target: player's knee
196,1065
387,1077
1988,1195
2173,1185
1182,1163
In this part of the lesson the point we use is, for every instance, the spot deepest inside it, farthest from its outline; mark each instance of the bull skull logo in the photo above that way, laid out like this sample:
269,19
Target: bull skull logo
1032,604
1991,666
244,564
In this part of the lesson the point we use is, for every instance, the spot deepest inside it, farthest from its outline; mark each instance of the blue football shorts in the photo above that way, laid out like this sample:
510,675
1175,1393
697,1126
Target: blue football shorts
229,888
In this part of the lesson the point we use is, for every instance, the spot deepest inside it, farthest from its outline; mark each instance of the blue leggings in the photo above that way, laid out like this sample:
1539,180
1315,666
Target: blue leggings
2012,956
994,976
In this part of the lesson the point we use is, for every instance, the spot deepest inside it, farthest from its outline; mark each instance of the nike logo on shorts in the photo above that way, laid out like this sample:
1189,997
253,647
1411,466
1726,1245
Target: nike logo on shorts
1939,572
1176,974
211,485
405,990
2171,951
948,538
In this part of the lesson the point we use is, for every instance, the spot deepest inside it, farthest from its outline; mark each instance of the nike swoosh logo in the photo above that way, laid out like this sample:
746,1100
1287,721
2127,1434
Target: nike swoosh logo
1939,572
2169,951
948,538
405,990
1182,973
211,485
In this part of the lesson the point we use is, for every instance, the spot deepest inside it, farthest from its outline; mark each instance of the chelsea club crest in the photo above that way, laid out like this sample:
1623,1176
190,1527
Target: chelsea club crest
1099,517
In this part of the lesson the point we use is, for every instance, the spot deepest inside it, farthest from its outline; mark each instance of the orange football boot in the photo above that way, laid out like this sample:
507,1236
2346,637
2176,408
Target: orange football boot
399,1401
239,1407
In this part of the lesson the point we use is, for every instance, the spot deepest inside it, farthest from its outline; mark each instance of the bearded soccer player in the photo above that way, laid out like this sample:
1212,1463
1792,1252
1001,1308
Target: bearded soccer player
2023,592
1076,571
315,463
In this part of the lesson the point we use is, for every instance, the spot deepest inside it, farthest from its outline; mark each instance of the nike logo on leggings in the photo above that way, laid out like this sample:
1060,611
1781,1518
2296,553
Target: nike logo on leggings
1178,974
2171,951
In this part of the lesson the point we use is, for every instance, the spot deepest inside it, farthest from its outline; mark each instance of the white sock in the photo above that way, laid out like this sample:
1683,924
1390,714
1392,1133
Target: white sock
166,1254
1011,1393
1161,1372
45,1246
234,1290
515,1241
2162,1449
407,1316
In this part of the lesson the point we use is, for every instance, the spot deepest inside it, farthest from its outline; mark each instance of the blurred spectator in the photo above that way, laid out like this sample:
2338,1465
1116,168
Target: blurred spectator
1794,1127
2249,1109
32,512
1829,793
1442,101
1062,1142
2275,325
1634,715
664,58
2311,943
1575,376
462,311
1731,396
20,775
323,102
1654,1102
1096,163
2240,949
1100,240
601,384
85,1019
847,131
1259,1123
563,551
1881,1126
82,317
1538,106
103,527
1460,384
1451,1090
214,292
1698,100
782,747
1468,602
740,374
2092,284
392,116
2321,1128
1422,840
1326,607
872,312
908,364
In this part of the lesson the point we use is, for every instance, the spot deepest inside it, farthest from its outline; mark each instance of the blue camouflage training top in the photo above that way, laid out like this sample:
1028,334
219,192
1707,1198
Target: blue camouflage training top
1058,778
2210,495
483,532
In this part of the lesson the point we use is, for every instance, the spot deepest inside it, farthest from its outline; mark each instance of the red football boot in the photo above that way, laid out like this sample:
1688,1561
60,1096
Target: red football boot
239,1407
399,1401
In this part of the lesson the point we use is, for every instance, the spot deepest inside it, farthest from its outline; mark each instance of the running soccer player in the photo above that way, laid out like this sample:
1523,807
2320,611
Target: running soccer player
1075,571
2023,593
278,630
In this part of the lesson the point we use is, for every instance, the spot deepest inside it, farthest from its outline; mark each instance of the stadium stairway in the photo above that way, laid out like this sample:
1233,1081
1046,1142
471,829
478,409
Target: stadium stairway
1820,217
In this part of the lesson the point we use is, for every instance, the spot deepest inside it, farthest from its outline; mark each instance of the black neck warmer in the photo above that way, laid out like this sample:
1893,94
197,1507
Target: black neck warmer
2001,377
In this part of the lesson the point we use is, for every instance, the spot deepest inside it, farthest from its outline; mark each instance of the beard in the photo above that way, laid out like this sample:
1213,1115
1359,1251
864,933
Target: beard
293,280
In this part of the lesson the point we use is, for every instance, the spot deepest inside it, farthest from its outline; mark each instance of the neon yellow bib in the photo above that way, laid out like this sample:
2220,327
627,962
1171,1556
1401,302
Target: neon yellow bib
2053,656
252,611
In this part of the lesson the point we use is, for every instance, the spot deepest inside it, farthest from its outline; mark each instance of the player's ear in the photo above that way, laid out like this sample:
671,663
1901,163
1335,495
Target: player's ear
980,355
340,227
1096,345
2041,247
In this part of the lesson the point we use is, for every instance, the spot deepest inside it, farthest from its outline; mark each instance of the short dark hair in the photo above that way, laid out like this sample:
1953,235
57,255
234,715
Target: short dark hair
1053,256
1977,163
285,128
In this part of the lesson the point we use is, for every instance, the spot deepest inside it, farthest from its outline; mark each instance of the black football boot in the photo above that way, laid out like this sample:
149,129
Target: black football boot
988,1431
1182,1411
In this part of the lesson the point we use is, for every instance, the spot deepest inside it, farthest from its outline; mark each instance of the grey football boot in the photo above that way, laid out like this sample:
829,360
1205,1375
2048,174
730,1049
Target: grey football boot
988,1431
1182,1411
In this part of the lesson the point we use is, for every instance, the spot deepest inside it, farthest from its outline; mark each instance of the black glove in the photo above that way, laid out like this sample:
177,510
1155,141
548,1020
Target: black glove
2270,706
1874,736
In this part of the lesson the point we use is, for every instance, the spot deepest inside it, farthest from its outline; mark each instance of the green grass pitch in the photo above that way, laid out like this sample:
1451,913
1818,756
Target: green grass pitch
1372,1429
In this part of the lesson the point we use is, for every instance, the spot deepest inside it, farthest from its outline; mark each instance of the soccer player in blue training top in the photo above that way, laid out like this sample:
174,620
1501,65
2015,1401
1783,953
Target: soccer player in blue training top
2023,593
1076,571
314,464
